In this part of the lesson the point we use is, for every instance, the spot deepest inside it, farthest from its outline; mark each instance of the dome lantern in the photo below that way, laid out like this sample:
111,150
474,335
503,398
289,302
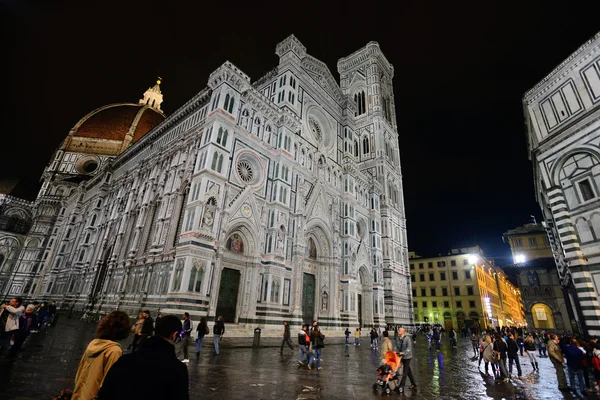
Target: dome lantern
153,96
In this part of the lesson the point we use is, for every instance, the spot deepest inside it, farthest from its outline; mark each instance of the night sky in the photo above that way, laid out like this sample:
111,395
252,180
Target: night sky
461,69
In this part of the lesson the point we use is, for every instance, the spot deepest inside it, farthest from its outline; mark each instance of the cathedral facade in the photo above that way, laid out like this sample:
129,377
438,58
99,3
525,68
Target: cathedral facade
275,200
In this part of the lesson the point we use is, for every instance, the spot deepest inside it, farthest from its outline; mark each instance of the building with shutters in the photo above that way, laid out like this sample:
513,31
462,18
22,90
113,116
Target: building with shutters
562,115
278,199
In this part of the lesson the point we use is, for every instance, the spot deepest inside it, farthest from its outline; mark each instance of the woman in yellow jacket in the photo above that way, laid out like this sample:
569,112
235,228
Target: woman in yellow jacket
100,355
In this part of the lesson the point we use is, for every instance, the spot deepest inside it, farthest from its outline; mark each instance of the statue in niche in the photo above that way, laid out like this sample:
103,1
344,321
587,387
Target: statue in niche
280,237
324,301
208,218
534,279
312,249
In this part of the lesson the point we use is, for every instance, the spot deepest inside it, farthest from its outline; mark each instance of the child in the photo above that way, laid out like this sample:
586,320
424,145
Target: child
357,337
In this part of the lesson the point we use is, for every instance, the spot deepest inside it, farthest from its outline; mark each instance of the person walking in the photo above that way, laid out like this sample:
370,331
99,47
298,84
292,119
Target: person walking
386,344
347,334
201,331
487,354
501,348
521,344
452,337
513,355
317,339
475,344
374,338
218,332
42,312
530,351
574,355
151,373
303,345
27,322
437,339
405,350
286,337
147,328
50,317
185,337
357,337
100,355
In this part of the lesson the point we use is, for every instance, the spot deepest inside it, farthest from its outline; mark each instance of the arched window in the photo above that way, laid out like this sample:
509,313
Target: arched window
256,126
366,145
196,278
220,134
275,291
81,255
231,103
226,105
224,143
178,275
93,222
220,164
355,148
215,159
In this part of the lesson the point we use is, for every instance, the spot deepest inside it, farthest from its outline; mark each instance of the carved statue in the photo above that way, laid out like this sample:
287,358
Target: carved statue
208,218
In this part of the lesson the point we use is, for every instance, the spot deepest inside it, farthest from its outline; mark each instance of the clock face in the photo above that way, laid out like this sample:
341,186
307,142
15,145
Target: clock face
246,210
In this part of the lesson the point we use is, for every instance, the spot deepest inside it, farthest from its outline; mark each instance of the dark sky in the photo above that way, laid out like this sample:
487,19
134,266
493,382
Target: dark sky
461,69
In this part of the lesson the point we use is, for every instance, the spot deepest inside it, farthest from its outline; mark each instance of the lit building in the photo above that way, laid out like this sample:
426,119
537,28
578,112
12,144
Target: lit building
461,289
534,272
279,199
562,116
528,242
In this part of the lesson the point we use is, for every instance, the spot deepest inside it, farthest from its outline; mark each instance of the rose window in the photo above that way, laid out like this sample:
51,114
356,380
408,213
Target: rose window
245,170
315,129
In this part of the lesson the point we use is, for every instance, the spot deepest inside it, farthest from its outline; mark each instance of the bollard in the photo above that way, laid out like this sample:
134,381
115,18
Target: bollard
256,341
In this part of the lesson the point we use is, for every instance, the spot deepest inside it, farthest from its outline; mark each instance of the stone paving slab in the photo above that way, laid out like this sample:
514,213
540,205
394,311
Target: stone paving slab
49,360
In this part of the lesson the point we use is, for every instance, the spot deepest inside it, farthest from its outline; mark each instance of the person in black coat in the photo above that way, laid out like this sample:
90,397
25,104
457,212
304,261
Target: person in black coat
155,362
513,354
147,328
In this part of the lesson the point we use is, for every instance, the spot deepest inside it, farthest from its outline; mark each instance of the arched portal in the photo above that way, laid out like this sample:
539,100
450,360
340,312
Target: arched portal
365,297
448,321
542,316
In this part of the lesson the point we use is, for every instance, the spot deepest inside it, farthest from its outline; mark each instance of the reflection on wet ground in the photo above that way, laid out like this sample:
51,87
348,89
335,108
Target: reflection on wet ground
49,360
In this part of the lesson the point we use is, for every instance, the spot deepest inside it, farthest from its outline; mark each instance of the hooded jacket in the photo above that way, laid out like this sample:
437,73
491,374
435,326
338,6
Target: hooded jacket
97,359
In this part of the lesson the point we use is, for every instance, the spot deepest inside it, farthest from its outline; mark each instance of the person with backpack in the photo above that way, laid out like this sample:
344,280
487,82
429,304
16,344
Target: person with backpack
286,337
201,331
318,343
347,334
500,348
303,345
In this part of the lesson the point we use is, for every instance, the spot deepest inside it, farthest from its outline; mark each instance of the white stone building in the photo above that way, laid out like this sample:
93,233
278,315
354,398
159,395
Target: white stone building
261,202
562,115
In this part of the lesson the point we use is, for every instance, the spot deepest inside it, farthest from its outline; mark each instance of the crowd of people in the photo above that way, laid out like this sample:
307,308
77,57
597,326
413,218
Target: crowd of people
19,320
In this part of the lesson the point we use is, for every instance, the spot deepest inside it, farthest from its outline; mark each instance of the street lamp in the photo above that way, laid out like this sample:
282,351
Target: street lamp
520,258
472,259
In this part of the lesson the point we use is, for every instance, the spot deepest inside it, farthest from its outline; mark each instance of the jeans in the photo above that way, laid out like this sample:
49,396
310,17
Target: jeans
288,341
521,349
502,364
198,344
302,354
407,371
316,355
514,359
576,375
346,339
475,347
216,343
356,341
375,343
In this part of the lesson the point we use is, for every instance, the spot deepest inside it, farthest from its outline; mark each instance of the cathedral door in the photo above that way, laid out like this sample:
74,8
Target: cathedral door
360,314
308,298
228,294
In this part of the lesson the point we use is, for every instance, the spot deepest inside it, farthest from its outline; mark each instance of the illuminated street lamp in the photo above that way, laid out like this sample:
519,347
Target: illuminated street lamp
472,259
520,258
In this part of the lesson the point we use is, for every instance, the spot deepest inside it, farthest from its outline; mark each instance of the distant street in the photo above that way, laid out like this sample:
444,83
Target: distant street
49,361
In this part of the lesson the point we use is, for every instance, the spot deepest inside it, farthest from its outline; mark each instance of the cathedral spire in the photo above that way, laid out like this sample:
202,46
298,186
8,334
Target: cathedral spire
153,96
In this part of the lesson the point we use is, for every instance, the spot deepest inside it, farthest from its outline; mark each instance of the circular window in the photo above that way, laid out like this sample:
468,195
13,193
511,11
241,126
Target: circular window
245,170
89,166
315,129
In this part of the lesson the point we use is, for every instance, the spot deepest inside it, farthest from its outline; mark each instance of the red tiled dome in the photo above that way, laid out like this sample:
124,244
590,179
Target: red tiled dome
115,121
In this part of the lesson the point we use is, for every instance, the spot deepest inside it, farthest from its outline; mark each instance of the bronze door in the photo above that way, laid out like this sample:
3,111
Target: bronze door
228,294
308,298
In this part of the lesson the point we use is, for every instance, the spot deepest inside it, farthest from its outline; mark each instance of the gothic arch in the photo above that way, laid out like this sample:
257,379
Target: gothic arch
581,149
542,316
321,236
364,276
248,239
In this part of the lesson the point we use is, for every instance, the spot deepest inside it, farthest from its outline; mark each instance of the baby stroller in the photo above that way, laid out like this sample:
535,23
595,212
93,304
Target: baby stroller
387,374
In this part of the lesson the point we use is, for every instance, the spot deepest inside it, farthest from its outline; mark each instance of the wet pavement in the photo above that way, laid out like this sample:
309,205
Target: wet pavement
49,360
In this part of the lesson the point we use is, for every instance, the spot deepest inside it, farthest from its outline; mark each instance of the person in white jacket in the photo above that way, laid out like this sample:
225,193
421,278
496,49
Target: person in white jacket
9,320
